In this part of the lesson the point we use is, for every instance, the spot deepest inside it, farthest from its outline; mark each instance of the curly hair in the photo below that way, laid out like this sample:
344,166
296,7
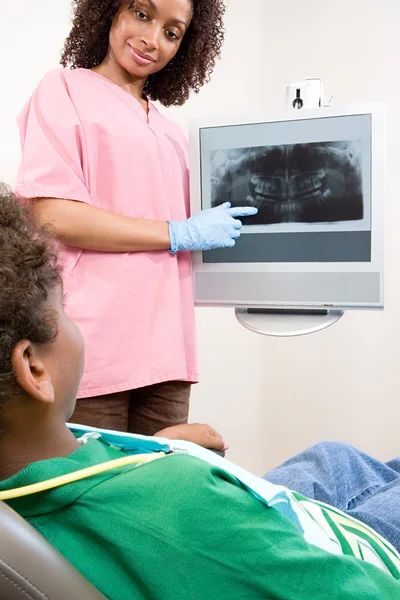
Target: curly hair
29,270
87,45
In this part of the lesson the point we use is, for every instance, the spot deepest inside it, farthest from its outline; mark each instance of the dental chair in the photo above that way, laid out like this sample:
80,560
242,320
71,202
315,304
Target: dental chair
31,569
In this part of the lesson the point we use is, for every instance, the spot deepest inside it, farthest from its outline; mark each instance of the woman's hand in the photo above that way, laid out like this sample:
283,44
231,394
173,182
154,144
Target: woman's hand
200,434
211,228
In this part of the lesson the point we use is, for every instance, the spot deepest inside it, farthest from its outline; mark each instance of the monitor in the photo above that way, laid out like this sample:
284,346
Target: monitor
317,179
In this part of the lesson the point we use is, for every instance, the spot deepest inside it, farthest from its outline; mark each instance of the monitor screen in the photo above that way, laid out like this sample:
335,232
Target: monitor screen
317,181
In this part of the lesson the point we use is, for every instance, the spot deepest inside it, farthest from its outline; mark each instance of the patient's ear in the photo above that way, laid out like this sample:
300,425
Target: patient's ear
31,373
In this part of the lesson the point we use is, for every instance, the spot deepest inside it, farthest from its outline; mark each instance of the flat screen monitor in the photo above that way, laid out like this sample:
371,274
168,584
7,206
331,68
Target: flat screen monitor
317,179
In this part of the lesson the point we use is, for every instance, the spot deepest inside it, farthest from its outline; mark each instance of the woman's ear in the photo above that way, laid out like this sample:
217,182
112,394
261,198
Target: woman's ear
31,373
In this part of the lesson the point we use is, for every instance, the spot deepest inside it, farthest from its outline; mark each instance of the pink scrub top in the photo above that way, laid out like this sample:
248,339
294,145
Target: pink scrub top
83,138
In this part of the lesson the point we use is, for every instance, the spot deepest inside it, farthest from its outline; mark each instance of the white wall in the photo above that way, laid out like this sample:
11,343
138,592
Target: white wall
276,396
270,397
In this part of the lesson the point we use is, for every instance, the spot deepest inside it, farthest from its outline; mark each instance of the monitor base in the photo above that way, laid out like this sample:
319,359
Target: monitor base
286,323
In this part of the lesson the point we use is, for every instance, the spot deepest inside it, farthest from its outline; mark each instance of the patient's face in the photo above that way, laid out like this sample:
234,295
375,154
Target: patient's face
64,358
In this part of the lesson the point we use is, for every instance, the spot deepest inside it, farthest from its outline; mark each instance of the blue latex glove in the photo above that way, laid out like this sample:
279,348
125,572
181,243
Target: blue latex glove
211,228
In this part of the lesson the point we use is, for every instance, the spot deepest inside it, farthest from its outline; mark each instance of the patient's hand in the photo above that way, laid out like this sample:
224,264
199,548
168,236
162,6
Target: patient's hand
200,434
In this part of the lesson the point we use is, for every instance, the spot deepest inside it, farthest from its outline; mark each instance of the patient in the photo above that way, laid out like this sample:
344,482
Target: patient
176,528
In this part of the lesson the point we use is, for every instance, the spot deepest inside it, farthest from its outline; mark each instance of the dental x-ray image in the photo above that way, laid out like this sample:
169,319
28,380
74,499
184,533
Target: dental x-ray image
298,183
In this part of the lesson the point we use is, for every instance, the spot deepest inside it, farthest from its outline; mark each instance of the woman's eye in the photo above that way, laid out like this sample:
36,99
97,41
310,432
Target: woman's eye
141,15
171,35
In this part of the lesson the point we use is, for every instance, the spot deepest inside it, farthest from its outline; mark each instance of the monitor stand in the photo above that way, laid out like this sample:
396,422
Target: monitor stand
286,322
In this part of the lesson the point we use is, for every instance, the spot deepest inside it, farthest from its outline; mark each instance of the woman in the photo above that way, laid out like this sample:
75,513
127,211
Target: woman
109,173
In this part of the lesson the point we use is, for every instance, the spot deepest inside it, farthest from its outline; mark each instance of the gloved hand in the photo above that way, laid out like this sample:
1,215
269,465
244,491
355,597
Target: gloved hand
209,229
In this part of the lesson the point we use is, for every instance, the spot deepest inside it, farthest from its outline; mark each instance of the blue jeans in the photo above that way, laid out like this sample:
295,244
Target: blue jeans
344,477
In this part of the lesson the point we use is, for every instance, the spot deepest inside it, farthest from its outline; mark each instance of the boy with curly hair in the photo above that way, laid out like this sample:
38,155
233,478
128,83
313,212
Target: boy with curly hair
109,173
178,527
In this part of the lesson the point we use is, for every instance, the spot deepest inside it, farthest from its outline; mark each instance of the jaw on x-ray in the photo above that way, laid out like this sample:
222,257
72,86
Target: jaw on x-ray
309,183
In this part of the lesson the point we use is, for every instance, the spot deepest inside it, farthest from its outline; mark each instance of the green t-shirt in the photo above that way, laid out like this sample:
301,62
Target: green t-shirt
178,528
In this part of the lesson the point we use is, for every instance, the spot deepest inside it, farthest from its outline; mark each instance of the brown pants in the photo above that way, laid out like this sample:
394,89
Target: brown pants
144,410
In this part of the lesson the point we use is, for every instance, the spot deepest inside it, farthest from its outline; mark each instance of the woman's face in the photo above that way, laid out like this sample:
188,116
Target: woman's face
146,34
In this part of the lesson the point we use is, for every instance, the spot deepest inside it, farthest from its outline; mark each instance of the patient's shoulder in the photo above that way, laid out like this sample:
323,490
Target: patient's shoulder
175,480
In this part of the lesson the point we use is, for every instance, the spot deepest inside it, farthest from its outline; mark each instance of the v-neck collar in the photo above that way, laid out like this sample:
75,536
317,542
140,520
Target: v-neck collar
125,96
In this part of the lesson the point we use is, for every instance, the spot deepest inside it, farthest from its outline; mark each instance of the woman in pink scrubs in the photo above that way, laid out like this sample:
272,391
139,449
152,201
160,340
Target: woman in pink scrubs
109,174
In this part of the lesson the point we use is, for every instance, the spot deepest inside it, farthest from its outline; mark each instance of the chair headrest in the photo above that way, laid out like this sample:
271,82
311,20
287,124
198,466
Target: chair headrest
31,568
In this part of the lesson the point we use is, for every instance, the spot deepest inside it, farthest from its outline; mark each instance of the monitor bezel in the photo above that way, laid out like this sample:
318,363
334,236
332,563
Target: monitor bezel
378,184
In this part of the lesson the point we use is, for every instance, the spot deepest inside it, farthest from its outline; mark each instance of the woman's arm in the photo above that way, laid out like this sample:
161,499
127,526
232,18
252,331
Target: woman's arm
83,226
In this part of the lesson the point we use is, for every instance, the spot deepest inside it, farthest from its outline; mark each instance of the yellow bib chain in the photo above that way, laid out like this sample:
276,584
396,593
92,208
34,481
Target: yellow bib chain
42,486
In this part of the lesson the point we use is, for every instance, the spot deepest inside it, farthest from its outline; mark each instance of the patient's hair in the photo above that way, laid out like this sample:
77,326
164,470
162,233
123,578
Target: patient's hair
87,45
29,270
